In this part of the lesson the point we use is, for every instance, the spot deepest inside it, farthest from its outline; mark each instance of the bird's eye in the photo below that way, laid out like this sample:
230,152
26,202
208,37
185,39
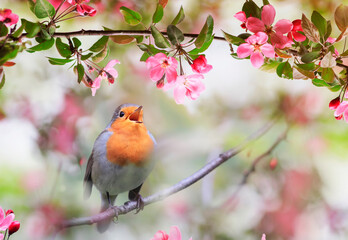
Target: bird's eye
121,114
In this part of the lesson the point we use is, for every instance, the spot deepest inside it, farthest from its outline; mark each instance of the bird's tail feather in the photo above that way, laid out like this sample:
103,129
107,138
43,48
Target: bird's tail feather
102,226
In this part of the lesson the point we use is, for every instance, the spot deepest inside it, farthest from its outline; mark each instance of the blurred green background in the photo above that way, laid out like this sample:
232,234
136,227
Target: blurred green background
48,124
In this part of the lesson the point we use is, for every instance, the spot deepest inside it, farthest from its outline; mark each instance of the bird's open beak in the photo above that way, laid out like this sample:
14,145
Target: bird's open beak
137,115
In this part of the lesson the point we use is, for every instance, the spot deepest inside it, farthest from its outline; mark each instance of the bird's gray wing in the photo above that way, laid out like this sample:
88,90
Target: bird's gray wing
87,180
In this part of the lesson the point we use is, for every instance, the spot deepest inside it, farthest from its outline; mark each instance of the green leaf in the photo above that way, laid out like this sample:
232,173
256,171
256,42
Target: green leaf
101,55
42,46
344,54
19,31
158,15
205,46
150,49
32,29
320,22
233,39
3,30
8,52
265,2
310,30
284,69
63,48
59,61
2,80
31,5
307,66
80,72
99,45
328,30
130,16
179,17
328,61
175,35
144,57
244,35
205,33
251,9
341,17
328,75
77,42
43,9
84,57
160,40
319,83
308,74
309,57
335,88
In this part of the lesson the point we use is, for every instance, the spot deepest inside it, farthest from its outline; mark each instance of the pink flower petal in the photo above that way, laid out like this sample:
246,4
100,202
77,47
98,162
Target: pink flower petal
263,237
179,94
297,25
151,62
268,14
85,10
156,73
341,108
112,63
268,50
283,26
345,115
174,233
257,59
244,50
261,38
171,74
6,222
331,40
279,40
255,25
173,62
1,236
2,215
240,16
298,36
96,85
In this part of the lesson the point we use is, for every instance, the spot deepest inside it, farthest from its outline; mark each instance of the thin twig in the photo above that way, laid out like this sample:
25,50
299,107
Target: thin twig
117,33
209,167
252,168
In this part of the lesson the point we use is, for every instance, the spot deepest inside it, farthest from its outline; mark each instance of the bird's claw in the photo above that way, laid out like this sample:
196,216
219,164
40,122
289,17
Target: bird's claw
139,203
115,209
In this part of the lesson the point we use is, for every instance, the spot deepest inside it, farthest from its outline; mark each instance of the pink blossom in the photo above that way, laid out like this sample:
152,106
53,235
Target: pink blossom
5,222
1,236
200,65
7,17
14,227
331,40
174,234
159,65
190,86
74,2
275,33
263,237
241,17
342,111
85,10
294,33
108,72
256,47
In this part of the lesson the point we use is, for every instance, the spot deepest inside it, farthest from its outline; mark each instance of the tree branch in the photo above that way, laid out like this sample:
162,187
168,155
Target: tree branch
252,168
209,167
118,33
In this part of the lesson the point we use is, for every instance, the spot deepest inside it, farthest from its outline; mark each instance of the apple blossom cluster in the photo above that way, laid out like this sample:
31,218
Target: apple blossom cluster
7,224
340,107
266,37
8,18
174,234
162,67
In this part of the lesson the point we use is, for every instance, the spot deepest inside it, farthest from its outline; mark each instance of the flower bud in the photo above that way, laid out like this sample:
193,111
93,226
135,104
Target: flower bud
273,163
334,103
160,83
15,225
9,212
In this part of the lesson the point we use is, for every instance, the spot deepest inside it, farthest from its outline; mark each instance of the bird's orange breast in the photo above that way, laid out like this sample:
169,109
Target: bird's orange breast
129,144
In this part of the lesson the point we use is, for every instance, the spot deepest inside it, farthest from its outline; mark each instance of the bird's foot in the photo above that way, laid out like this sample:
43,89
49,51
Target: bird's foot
139,203
115,209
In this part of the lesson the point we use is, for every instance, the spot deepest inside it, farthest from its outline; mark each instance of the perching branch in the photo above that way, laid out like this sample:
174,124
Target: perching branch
252,168
119,33
209,167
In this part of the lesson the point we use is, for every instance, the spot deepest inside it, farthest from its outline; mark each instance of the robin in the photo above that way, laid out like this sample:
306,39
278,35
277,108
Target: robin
120,160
